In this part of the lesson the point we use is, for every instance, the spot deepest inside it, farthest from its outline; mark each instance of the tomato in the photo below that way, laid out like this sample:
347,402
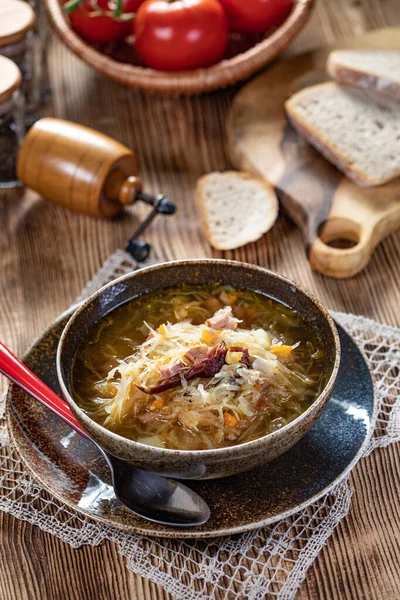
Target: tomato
102,29
256,16
180,34
131,6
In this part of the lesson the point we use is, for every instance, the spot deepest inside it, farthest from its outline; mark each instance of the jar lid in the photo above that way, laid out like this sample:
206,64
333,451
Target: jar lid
10,78
16,19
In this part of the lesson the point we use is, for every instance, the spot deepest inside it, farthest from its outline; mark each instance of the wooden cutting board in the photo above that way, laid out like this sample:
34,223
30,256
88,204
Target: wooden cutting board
341,222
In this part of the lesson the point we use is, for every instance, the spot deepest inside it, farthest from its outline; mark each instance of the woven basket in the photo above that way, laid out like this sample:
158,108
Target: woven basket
224,73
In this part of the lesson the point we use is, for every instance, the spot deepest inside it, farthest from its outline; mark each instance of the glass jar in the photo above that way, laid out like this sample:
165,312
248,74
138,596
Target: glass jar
12,121
42,24
20,43
43,33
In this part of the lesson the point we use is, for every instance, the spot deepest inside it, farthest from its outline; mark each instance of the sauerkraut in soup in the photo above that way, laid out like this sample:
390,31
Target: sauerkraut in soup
197,368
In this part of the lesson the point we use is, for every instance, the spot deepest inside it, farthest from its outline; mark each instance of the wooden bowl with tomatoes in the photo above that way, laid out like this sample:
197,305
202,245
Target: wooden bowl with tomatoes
178,46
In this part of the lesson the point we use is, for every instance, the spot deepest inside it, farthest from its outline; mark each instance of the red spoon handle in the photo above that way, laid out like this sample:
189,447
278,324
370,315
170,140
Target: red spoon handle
15,370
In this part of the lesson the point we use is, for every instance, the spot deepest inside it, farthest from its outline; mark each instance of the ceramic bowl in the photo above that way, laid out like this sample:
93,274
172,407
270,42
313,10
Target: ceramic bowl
199,464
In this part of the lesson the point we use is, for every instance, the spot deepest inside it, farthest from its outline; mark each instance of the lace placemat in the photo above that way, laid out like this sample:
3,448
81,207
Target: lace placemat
271,561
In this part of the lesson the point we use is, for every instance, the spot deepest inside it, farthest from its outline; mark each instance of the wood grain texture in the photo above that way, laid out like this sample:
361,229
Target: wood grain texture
47,255
325,204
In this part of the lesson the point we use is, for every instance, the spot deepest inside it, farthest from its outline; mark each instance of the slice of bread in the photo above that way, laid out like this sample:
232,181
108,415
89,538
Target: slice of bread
357,131
236,208
375,70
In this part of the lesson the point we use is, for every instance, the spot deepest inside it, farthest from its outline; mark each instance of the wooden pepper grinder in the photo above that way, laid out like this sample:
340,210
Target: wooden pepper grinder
87,172
81,169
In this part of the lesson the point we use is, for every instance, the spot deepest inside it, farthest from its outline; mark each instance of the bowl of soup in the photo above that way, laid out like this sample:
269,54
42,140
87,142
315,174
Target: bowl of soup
199,368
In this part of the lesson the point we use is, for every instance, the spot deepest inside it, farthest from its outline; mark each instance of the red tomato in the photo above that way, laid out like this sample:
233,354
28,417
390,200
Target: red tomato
102,29
182,34
256,16
131,6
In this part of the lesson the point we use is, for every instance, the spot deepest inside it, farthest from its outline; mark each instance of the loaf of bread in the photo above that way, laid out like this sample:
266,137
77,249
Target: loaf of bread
374,70
357,131
236,208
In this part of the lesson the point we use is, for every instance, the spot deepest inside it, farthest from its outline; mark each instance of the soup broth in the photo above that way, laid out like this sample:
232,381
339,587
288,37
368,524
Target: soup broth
199,367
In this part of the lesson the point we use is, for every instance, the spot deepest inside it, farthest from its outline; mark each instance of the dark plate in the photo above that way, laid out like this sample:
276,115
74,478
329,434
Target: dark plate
73,471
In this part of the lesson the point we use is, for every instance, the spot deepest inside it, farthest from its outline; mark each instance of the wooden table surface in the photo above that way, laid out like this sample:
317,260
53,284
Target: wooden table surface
47,255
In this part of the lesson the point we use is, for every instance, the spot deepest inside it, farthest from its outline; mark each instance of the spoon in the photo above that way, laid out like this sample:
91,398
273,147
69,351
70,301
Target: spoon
151,496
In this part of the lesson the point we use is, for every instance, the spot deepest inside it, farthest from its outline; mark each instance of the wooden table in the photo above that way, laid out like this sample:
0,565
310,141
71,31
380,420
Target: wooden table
47,255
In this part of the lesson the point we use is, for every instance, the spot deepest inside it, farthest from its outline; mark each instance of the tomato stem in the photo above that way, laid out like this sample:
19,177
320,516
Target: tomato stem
116,14
118,8
72,5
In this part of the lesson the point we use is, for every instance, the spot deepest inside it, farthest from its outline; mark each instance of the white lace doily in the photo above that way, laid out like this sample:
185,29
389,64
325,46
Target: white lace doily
270,561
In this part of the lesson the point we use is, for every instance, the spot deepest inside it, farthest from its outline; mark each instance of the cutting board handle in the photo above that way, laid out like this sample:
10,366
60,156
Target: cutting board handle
343,247
324,204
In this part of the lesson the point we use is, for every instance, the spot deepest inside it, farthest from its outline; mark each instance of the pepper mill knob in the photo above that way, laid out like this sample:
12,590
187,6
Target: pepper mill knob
78,168
129,189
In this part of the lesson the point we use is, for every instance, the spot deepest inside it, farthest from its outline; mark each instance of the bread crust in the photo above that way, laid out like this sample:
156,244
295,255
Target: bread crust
362,79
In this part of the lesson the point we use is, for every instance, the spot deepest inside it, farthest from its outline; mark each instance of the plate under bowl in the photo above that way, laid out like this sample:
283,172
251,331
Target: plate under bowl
73,471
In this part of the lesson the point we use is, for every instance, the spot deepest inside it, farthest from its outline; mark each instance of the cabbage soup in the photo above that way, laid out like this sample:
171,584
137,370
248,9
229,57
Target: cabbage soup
199,368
